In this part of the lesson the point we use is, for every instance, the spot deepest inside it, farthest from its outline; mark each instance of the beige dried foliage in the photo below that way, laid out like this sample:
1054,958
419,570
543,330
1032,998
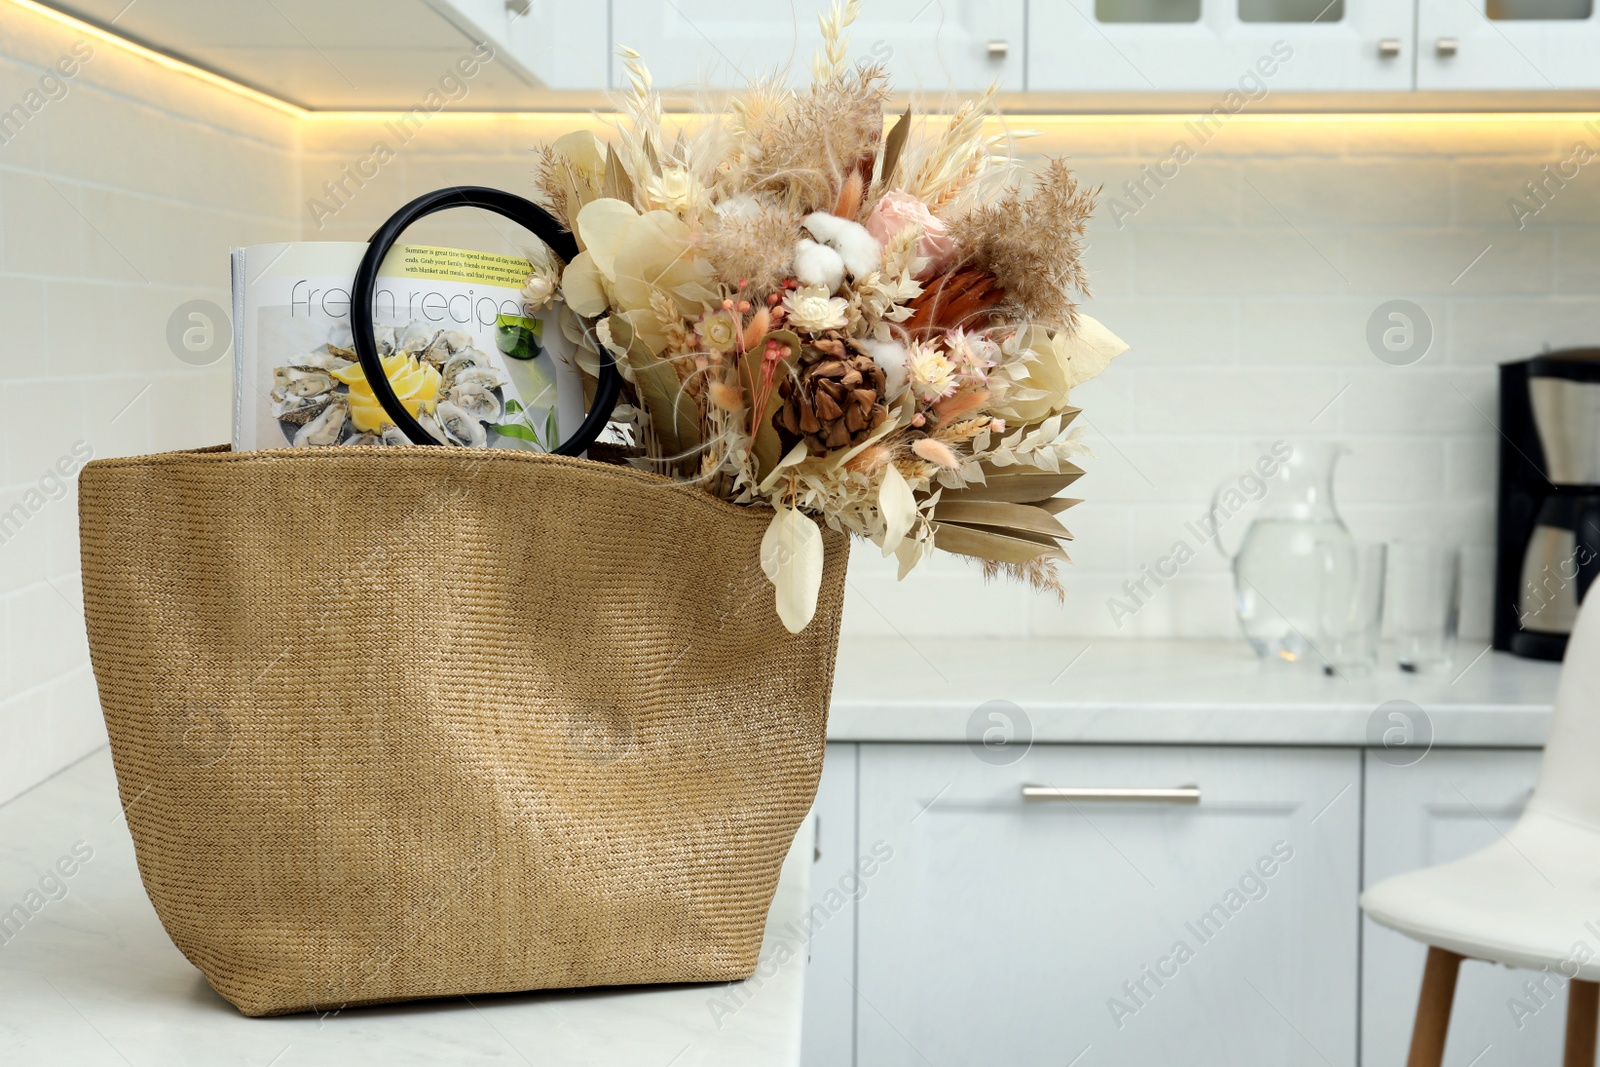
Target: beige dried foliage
1033,244
756,119
832,58
755,244
1040,573
641,134
552,178
823,135
942,170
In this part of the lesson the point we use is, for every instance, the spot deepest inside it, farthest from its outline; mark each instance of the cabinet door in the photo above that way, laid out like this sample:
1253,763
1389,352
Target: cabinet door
828,1034
1249,47
1448,805
562,46
1038,933
1508,44
929,45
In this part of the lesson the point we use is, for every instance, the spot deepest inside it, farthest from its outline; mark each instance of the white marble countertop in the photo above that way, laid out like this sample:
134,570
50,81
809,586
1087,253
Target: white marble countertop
91,979
1174,692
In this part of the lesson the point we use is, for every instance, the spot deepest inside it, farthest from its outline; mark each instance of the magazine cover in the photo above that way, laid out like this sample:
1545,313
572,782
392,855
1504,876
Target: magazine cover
458,343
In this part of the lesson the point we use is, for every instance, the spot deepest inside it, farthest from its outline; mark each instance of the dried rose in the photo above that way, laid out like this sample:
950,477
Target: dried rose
896,211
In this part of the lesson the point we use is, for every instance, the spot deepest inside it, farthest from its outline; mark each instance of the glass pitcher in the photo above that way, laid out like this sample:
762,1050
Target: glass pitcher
1296,555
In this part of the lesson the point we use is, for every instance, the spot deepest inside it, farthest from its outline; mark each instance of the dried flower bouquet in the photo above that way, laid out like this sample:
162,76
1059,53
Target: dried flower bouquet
872,331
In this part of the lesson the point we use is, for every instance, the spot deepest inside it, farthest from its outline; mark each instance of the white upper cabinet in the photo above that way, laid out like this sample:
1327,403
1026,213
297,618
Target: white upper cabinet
1251,47
1508,44
927,45
557,46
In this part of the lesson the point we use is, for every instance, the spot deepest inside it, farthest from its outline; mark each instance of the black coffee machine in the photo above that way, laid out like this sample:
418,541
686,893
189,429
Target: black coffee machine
1548,529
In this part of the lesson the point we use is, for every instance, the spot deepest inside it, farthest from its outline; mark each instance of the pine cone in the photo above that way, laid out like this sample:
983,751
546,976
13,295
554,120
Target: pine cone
833,400
961,297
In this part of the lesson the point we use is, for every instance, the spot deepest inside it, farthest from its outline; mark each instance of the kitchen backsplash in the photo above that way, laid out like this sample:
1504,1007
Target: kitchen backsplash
122,187
1243,257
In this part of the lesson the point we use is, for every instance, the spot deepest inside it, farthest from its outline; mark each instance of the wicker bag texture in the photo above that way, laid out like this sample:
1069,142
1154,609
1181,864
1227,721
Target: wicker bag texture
417,722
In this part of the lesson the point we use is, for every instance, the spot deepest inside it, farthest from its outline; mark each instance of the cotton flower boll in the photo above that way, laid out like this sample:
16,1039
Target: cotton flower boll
861,252
818,265
891,357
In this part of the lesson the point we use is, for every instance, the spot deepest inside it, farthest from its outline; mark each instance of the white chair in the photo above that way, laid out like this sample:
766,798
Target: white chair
1532,899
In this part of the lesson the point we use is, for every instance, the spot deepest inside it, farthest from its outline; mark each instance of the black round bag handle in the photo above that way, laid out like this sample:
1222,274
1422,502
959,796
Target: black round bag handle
518,210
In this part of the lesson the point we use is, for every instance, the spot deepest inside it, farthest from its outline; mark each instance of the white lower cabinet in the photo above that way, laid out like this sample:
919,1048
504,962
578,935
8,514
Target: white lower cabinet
998,930
1447,805
828,1033
958,924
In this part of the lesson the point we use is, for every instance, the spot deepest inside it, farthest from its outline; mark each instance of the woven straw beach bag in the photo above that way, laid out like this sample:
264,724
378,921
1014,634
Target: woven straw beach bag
416,722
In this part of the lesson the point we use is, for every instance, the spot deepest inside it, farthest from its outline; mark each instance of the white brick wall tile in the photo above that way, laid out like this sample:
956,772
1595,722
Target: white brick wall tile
1109,257
1238,262
1494,331
44,233
25,529
1391,470
1358,193
25,758
47,635
1417,400
1485,261
1147,468
1171,330
25,144
1485,187
1289,332
1578,260
1192,605
922,607
1238,401
1472,466
1156,191
23,350
77,727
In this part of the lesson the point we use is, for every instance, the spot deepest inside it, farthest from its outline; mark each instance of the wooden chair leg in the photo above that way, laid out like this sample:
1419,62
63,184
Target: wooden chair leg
1433,1008
1583,1011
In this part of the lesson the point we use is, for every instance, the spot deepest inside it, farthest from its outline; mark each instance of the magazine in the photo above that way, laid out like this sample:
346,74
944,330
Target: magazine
458,347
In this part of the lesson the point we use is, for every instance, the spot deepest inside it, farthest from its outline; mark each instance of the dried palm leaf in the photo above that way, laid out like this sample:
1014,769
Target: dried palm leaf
992,546
961,297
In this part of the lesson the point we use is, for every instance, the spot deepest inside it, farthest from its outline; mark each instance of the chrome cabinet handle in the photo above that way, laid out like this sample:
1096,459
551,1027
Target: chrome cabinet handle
1389,48
1184,794
998,50
1447,46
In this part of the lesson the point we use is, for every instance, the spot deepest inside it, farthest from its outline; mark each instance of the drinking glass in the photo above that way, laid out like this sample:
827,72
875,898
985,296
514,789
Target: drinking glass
1350,582
1424,603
